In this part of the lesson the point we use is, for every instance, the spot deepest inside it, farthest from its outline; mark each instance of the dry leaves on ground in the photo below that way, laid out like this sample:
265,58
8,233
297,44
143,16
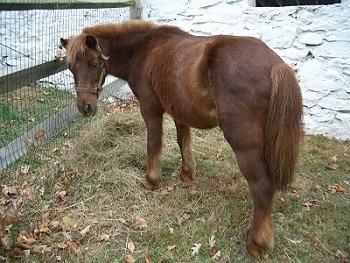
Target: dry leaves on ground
337,188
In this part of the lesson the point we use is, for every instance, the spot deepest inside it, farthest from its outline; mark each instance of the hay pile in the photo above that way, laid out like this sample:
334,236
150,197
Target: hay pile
110,158
111,161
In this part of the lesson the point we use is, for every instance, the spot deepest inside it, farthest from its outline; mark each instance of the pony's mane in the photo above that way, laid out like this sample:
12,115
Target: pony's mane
76,48
77,43
127,27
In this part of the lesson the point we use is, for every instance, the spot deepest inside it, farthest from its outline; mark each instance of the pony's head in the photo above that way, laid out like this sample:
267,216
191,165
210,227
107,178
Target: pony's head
88,65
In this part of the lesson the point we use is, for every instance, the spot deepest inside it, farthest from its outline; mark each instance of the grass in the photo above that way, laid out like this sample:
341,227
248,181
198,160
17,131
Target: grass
27,106
86,202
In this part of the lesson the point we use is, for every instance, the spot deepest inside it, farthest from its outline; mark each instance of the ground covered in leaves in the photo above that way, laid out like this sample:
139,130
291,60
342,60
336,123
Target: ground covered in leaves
85,201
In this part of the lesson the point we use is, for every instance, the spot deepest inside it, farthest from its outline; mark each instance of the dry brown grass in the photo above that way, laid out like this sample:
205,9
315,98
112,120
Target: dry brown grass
89,205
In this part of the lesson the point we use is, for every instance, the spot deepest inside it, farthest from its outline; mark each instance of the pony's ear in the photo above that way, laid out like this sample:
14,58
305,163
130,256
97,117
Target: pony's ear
64,42
91,41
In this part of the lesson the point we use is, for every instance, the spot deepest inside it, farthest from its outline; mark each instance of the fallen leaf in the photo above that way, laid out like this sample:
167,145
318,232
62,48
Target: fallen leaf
39,134
129,259
195,249
169,248
308,204
149,259
212,241
341,188
24,240
140,223
8,228
6,242
3,201
58,54
72,245
55,223
84,231
170,188
341,254
103,237
56,150
333,166
123,221
131,246
9,215
30,144
25,169
334,158
29,193
40,249
61,245
67,234
217,255
43,229
194,191
332,189
171,230
337,188
219,154
46,218
66,223
9,190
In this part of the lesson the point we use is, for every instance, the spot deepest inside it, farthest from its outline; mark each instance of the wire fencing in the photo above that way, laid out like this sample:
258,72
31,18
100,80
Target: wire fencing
37,97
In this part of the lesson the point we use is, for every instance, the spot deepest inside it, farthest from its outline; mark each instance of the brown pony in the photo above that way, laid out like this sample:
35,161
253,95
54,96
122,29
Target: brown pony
236,83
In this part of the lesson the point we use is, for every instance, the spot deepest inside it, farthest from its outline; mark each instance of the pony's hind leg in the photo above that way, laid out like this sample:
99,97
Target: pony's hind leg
246,141
260,234
188,169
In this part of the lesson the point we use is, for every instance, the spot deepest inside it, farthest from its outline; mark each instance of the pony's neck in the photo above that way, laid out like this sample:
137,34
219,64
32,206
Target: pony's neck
127,45
125,54
124,43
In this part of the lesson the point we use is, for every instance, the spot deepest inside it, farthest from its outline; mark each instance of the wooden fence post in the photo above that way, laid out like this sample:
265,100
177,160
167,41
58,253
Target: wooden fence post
136,10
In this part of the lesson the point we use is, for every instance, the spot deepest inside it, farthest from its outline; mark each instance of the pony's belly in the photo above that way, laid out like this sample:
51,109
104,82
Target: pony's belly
193,118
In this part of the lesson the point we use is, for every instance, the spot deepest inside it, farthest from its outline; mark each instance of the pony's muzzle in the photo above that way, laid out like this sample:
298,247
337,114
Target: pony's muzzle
87,110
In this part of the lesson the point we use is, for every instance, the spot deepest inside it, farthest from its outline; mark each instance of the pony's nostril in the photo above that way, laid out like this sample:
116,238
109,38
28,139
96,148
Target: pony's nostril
87,107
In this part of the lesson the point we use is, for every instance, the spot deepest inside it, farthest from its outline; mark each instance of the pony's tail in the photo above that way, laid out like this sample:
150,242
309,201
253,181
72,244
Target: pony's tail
283,129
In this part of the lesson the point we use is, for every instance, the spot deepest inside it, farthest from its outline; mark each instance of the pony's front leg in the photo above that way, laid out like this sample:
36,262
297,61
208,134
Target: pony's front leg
154,148
188,170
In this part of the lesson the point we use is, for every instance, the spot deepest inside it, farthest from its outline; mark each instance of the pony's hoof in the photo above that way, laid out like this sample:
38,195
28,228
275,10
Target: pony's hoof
150,186
187,177
253,251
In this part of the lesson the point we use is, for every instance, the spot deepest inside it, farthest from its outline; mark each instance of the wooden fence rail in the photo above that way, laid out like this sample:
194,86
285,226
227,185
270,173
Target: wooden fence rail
61,4
28,76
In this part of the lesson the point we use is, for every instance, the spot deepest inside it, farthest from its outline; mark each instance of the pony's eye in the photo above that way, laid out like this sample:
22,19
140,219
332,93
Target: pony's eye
94,65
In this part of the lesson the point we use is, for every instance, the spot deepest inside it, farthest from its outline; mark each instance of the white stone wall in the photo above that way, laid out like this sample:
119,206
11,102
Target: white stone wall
314,40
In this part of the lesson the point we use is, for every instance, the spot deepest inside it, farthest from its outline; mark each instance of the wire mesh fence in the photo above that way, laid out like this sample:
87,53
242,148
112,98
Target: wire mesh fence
36,91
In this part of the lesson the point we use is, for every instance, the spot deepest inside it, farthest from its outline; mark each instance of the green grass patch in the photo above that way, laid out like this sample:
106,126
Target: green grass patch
28,106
